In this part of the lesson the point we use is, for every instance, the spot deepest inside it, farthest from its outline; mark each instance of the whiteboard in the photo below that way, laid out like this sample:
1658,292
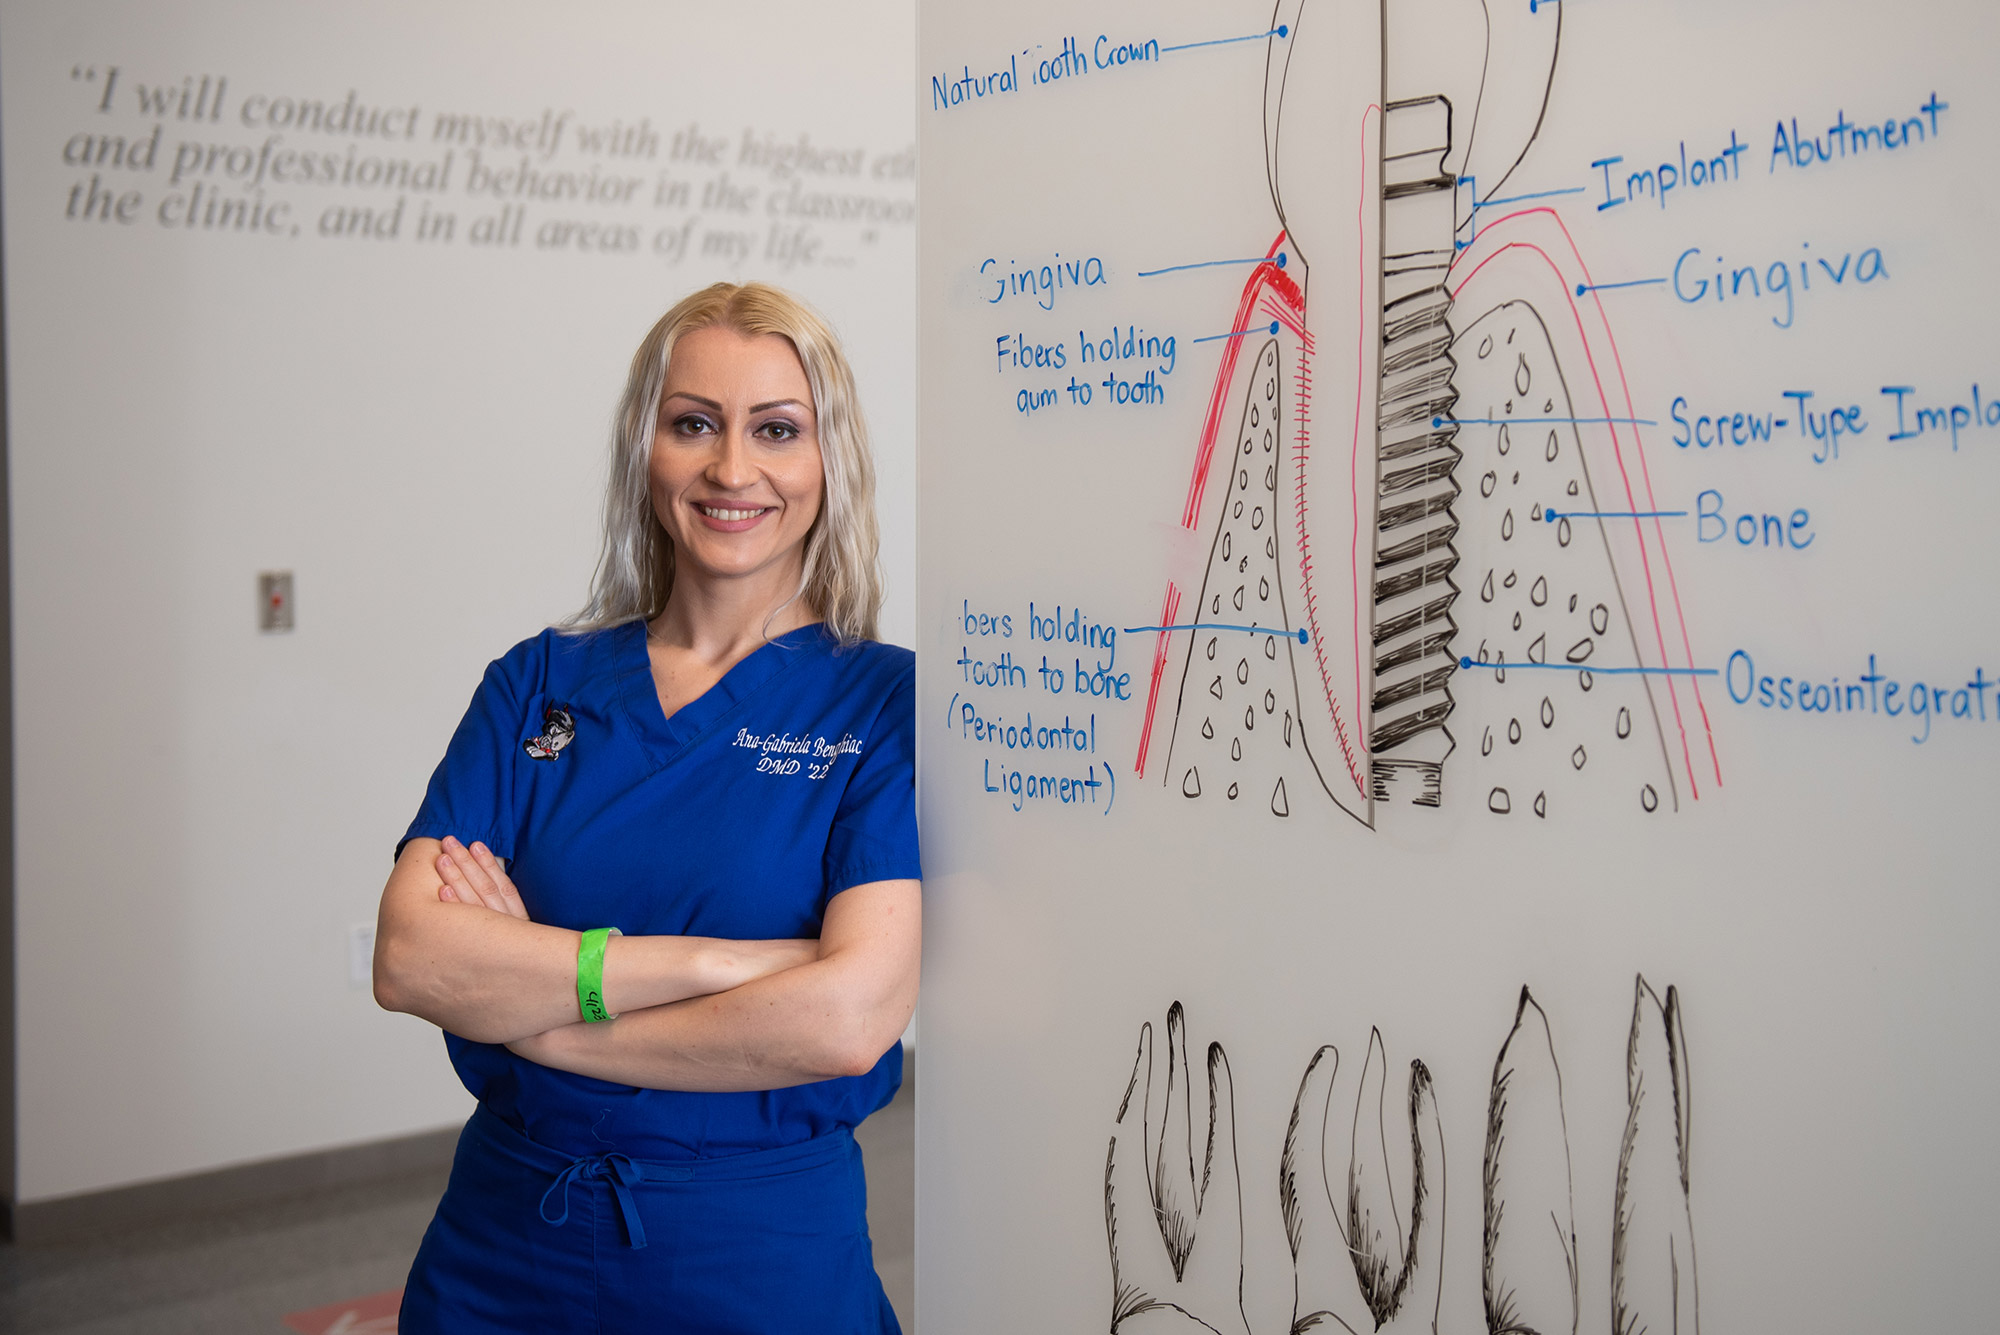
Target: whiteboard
1535,880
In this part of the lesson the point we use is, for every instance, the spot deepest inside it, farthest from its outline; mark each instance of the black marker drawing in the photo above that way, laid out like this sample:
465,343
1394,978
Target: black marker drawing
1545,593
1361,1191
1363,1198
1234,684
1175,1234
1338,508
1528,1249
1653,1289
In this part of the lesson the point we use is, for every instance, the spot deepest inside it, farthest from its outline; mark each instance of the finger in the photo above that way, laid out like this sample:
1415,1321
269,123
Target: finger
495,870
454,883
472,884
1530,1237
1173,1171
446,893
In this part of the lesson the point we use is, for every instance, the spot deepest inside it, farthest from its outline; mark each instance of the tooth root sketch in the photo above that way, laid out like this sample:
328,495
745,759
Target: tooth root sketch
1322,122
1653,1286
1371,152
1362,1199
1529,1270
1356,1264
1174,1225
1385,1255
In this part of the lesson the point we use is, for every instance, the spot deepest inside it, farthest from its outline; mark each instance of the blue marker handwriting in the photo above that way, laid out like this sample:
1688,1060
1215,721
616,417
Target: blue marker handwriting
1659,183
1133,363
1711,163
1040,282
1918,416
1773,281
1752,528
1823,428
1040,65
1871,693
1845,140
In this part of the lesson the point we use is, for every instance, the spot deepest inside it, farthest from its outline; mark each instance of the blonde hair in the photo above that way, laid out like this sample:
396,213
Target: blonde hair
635,570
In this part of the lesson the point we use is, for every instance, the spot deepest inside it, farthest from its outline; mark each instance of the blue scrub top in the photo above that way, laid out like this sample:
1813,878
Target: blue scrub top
791,780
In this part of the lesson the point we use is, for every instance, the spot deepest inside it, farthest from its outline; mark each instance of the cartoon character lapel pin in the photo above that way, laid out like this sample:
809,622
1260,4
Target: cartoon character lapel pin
558,731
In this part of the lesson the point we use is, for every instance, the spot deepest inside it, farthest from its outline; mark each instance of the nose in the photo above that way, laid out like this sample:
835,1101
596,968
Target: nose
730,467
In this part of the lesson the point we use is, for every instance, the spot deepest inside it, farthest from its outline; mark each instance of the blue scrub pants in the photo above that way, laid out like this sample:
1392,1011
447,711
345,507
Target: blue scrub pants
528,1239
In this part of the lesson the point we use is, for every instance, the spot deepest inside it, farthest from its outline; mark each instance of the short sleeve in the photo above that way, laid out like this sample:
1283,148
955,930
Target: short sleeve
471,793
874,834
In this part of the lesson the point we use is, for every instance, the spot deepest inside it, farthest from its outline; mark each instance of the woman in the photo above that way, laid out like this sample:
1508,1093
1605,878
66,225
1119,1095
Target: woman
715,760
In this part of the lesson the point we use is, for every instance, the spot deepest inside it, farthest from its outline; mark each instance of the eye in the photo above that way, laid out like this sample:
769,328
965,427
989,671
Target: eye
779,429
692,424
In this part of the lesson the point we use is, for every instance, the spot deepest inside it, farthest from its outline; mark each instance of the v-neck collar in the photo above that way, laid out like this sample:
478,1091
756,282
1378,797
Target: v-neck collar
668,738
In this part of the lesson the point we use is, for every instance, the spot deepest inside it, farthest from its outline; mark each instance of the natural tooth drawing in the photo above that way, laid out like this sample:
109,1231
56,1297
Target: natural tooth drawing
1653,1288
1379,179
1176,1238
1321,115
1364,1210
1355,1262
1529,1267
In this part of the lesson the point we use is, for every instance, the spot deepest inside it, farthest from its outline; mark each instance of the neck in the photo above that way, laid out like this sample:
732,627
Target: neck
726,619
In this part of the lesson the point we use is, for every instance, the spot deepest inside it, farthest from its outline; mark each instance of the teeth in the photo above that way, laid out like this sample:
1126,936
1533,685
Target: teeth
729,516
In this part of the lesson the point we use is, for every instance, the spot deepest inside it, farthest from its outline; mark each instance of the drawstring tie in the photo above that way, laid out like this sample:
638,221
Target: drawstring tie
623,1175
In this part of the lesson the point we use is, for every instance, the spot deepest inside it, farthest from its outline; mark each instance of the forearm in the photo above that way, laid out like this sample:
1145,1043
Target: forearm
493,978
833,1017
788,1029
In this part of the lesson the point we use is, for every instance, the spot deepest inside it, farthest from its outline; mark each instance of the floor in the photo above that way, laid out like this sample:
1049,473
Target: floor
244,1270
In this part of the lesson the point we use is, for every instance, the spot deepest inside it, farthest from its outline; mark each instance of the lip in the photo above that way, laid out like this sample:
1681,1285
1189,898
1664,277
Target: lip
709,521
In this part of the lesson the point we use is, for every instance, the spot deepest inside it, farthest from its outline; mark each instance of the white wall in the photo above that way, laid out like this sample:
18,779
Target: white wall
416,429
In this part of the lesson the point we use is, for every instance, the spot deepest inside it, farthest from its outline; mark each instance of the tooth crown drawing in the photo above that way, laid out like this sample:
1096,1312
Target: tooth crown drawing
1416,388
1367,1241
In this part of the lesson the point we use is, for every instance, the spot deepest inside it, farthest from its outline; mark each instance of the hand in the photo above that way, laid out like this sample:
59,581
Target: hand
474,876
1176,1241
1355,1263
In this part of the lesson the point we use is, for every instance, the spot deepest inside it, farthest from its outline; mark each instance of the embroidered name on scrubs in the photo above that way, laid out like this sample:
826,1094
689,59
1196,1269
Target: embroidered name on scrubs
558,731
789,753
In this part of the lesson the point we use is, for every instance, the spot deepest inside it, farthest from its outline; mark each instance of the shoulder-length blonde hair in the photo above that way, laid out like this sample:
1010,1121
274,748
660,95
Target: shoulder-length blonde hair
635,570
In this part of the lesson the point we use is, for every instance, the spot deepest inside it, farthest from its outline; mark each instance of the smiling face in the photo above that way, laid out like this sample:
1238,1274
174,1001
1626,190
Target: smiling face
736,477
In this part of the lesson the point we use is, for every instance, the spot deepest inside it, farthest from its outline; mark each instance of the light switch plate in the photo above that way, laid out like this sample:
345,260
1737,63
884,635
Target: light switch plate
274,600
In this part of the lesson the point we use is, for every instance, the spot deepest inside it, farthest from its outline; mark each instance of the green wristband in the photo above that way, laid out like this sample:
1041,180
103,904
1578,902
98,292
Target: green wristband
590,974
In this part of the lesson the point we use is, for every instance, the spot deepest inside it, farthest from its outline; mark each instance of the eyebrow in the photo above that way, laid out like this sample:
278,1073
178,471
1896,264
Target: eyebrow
755,407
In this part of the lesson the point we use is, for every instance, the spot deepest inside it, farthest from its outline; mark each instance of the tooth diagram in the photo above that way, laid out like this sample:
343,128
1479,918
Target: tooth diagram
1413,390
1653,1289
1528,1274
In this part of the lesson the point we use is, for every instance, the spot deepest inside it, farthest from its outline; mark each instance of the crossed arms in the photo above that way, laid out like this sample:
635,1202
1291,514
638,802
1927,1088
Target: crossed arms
454,945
